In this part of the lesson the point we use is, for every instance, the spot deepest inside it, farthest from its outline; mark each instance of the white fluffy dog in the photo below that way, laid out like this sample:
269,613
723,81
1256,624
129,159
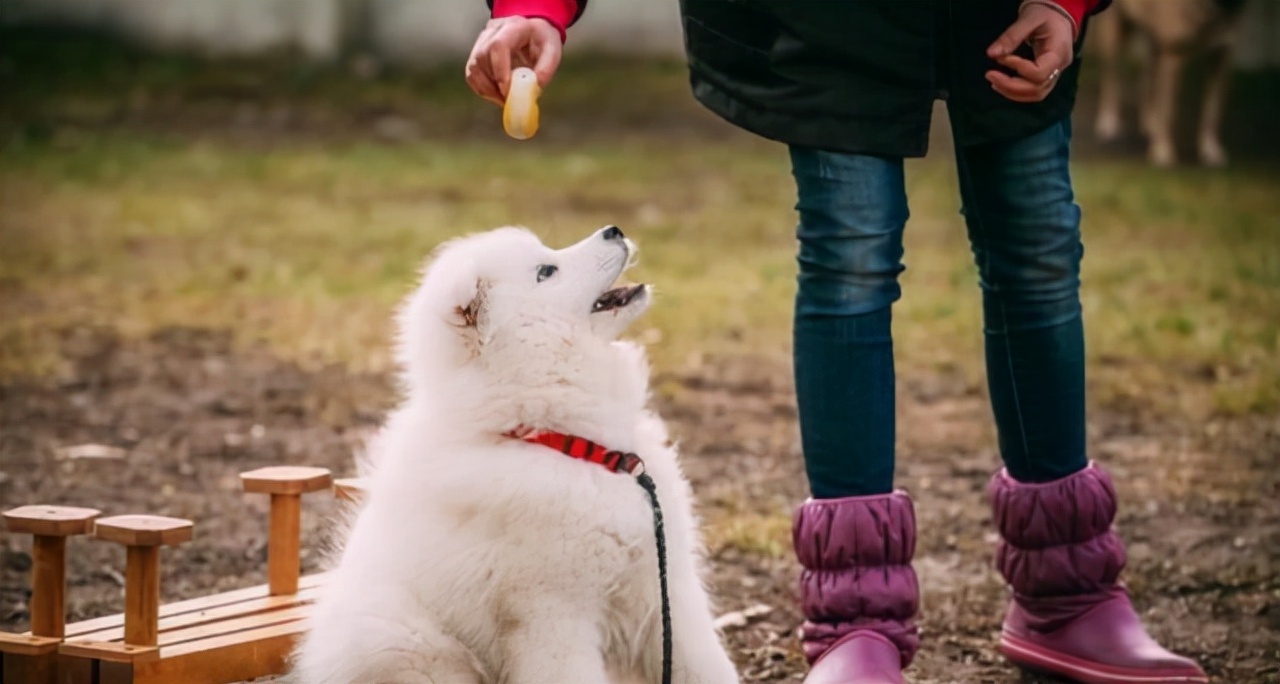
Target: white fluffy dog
482,557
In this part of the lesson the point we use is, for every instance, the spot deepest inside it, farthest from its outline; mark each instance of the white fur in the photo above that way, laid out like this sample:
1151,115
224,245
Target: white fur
482,558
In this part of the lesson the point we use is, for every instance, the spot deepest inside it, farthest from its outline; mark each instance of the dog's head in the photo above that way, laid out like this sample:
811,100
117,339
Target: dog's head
503,303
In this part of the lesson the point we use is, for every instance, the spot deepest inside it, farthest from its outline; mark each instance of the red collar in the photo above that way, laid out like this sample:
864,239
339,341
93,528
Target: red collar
580,448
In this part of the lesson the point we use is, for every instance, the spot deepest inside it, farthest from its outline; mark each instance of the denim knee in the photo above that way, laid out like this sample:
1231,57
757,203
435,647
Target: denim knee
1024,228
1032,288
852,212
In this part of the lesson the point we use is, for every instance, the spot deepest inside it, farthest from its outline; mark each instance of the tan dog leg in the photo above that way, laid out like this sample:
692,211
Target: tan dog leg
1111,33
1166,74
1208,144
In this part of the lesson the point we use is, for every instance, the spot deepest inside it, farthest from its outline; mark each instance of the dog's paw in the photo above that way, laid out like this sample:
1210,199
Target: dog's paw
1107,127
1212,154
1162,155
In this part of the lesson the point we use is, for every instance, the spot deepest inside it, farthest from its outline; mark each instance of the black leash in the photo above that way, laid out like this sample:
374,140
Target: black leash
660,534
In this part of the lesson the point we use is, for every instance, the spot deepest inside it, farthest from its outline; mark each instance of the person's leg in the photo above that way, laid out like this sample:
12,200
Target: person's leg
852,210
1053,509
856,537
1024,228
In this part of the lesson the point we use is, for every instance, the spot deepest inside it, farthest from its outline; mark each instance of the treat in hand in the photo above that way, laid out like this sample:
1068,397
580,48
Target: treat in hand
520,113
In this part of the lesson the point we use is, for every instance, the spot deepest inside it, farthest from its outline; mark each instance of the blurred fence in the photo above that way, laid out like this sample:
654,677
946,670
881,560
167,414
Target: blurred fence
415,31
398,31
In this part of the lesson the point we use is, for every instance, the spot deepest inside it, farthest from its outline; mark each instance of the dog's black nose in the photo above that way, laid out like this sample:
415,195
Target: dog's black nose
613,233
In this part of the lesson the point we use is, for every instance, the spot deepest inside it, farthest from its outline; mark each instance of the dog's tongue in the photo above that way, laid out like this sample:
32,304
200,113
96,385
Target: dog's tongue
618,296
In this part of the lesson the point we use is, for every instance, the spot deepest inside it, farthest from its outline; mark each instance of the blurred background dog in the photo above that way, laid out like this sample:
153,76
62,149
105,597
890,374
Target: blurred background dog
1174,31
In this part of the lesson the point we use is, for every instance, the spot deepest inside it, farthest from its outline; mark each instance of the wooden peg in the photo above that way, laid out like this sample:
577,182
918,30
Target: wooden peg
49,526
286,485
33,657
142,536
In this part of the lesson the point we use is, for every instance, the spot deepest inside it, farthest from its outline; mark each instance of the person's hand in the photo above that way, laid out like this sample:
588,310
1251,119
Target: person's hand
511,42
1050,34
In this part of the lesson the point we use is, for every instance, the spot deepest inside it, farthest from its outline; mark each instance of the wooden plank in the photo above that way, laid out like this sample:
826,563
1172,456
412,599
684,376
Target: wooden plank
120,651
76,670
113,651
234,626
228,658
79,629
29,669
27,645
217,660
231,637
200,617
116,673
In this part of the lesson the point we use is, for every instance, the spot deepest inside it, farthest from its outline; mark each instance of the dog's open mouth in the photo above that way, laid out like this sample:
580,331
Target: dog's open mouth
617,298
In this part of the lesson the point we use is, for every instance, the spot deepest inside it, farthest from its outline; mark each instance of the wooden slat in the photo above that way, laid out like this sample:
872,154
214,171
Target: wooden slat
228,658
229,637
228,598
173,637
216,660
234,626
200,617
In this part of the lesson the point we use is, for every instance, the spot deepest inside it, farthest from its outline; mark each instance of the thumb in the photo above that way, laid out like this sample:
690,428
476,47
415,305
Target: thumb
1015,35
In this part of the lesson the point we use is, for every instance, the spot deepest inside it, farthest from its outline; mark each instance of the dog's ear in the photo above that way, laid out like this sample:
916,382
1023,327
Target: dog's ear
466,300
471,314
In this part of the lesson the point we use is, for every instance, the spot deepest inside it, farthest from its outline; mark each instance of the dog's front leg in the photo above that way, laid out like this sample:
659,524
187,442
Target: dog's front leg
1166,75
1111,37
1208,144
554,647
698,656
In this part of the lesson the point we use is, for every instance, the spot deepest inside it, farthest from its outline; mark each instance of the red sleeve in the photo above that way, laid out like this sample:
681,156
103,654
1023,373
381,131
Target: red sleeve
1079,9
560,13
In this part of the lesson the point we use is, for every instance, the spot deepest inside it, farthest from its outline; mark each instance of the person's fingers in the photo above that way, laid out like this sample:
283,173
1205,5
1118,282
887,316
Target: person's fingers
480,80
1046,67
500,64
1018,89
549,52
507,43
1012,37
478,73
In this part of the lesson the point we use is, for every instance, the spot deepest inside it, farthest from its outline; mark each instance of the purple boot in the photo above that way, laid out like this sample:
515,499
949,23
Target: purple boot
857,590
1069,616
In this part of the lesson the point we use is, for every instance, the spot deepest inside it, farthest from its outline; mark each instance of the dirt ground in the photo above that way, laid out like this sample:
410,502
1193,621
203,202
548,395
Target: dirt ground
190,413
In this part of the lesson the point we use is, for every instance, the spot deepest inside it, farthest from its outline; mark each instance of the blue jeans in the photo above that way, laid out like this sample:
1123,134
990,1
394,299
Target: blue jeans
1024,230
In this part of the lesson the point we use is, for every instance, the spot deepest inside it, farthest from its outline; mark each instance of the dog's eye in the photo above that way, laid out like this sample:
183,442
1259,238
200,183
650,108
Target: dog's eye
546,271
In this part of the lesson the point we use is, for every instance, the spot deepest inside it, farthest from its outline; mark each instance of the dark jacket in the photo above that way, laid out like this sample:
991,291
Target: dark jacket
859,75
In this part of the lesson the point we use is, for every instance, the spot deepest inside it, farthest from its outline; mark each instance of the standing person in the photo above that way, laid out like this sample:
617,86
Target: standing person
849,87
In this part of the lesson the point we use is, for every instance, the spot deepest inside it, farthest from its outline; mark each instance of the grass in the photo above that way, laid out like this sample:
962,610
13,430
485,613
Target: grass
141,193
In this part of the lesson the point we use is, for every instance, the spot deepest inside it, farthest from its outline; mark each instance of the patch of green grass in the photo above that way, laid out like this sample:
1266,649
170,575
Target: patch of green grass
305,242
750,533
